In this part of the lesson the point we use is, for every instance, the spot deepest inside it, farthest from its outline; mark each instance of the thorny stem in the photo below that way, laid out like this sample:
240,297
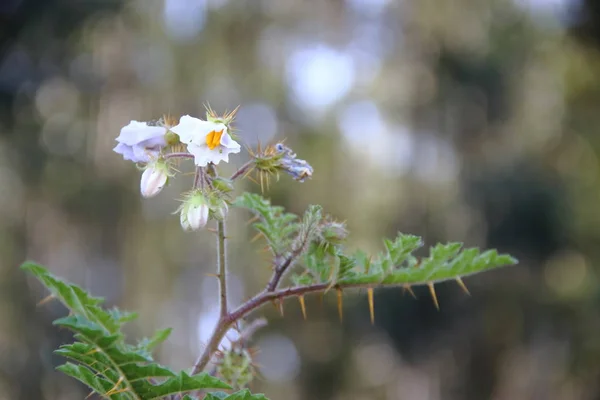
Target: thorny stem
222,267
224,321
199,178
279,271
242,170
258,301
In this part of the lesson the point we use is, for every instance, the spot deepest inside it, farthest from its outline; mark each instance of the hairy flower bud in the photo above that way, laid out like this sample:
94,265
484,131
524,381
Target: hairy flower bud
219,210
236,367
194,212
154,178
334,232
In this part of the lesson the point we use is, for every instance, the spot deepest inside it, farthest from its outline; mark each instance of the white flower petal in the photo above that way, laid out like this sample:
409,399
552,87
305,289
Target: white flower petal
136,132
228,142
202,154
189,129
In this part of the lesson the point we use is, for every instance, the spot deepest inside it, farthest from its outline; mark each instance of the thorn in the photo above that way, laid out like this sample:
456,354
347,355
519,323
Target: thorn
407,288
253,220
92,352
303,306
114,389
340,302
212,275
281,307
256,237
45,300
371,305
432,291
253,180
462,286
212,230
262,186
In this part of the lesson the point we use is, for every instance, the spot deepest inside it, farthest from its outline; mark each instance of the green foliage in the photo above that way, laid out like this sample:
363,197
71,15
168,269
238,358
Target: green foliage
241,395
277,226
324,260
103,360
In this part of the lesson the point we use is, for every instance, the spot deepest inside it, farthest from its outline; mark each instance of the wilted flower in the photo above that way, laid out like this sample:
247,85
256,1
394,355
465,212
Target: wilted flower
154,178
141,141
299,169
194,212
207,141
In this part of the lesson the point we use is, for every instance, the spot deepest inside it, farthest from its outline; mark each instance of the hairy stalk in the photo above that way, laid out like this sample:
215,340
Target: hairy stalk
178,155
224,321
222,267
242,170
199,178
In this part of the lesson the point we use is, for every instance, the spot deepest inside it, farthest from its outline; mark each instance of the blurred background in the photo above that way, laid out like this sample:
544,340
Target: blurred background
457,120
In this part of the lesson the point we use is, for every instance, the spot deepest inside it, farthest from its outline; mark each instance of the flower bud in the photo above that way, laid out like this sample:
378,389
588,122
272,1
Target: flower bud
219,210
236,367
194,213
154,178
334,232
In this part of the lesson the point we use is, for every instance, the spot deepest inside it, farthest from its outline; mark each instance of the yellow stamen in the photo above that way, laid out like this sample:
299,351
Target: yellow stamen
213,139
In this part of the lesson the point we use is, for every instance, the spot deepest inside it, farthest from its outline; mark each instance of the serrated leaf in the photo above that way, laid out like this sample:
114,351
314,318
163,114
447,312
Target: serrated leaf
241,395
87,377
159,337
398,266
108,364
181,383
278,227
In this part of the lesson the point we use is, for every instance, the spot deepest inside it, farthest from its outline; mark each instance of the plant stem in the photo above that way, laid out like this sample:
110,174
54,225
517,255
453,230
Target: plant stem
242,170
224,321
178,155
222,267
212,345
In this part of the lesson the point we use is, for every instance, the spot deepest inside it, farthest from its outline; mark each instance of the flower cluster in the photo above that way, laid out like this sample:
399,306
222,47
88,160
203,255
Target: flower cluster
155,144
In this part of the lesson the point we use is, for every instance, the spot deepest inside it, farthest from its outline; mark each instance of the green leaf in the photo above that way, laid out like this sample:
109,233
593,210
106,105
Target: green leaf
159,337
181,383
108,365
87,377
241,395
278,227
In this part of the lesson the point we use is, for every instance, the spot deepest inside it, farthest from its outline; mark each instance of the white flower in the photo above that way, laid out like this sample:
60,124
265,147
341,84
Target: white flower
140,142
194,213
207,141
154,178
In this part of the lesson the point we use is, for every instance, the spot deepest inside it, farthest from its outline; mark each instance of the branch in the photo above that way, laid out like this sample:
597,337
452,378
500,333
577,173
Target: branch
242,170
280,270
